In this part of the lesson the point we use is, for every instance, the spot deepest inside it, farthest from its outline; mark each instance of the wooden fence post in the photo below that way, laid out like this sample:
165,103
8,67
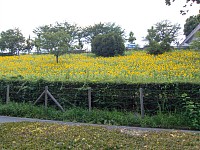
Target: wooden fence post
46,93
141,102
89,98
8,94
46,97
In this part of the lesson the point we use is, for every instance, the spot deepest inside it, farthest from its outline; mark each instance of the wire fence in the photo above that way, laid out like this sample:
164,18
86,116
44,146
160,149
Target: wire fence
141,100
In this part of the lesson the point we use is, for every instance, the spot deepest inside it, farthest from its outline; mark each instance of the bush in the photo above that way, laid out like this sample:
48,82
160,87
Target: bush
156,48
108,45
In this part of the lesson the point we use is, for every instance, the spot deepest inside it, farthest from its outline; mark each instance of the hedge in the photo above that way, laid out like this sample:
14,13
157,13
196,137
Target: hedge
168,97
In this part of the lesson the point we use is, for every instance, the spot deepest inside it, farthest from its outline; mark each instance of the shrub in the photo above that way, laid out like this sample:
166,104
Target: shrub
156,48
108,45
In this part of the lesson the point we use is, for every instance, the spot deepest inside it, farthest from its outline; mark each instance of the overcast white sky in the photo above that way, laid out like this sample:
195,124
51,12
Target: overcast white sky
131,15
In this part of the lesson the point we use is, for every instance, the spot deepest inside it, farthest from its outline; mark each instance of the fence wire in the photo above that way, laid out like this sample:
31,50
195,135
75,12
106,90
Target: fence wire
103,98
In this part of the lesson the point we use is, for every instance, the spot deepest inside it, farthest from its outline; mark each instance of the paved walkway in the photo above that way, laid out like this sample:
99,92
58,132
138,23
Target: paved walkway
4,119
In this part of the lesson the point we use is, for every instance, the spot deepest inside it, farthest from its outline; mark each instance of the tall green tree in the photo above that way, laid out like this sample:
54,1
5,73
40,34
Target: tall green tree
131,38
29,43
161,36
58,39
167,31
42,34
190,24
37,44
90,32
12,40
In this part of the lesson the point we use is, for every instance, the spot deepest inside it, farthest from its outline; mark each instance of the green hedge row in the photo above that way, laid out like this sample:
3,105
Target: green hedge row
165,97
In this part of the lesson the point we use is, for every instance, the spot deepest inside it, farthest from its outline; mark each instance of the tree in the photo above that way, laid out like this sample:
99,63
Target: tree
29,43
90,32
108,45
131,37
37,44
71,30
57,39
167,31
60,41
161,36
190,2
57,42
12,40
190,24
196,42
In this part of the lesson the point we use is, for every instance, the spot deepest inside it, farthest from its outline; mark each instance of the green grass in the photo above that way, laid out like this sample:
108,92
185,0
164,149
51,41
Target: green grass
26,135
177,121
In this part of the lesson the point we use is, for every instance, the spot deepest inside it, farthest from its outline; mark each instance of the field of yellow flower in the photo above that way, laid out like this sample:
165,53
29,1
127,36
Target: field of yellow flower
137,67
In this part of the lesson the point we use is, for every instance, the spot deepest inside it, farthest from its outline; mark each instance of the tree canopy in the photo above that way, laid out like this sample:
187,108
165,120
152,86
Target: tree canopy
190,24
161,36
90,32
190,2
12,40
131,38
28,45
168,2
163,30
57,39
108,45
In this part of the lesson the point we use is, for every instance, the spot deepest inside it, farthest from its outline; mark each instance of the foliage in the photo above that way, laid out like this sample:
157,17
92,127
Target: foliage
26,135
12,40
123,97
138,67
90,32
161,36
131,38
37,44
192,110
168,2
154,48
58,39
59,42
28,45
196,42
191,24
108,45
183,12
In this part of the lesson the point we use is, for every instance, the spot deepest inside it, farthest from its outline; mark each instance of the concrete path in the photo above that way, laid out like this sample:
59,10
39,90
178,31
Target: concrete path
4,119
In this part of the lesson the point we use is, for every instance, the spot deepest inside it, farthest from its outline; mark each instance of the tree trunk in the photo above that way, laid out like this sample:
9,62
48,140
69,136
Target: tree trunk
57,58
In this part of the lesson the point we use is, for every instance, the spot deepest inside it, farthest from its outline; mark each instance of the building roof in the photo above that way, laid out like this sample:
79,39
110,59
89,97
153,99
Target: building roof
190,36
